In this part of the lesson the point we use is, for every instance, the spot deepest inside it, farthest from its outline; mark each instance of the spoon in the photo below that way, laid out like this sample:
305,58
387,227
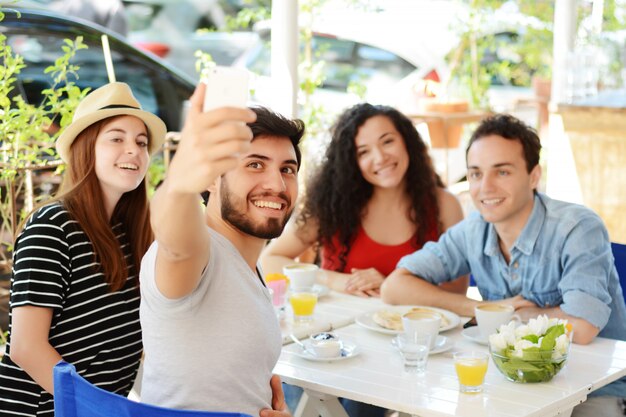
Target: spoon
299,343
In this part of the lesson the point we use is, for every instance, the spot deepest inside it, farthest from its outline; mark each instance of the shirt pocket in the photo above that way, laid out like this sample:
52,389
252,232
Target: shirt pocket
545,299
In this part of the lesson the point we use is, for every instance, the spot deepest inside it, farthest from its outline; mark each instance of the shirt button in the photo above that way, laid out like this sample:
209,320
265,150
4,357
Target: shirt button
514,276
516,264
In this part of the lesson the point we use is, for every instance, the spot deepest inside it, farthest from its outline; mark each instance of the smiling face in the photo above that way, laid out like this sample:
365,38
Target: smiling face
381,153
257,197
121,156
500,184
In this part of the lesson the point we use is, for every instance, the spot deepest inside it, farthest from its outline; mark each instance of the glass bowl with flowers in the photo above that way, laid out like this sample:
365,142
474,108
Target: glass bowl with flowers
533,352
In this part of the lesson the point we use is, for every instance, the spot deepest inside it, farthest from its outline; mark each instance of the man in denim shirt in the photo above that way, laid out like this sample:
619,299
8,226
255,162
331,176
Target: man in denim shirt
523,248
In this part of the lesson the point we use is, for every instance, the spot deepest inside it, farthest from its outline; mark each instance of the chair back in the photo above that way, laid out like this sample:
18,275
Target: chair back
619,253
74,396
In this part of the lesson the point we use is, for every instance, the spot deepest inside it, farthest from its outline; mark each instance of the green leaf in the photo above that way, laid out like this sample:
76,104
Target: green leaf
549,340
531,338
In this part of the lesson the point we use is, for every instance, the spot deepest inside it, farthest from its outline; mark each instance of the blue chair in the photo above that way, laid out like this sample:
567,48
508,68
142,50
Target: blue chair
619,253
74,396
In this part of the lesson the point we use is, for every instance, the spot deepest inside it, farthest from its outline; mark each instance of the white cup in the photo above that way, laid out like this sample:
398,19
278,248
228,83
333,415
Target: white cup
491,316
326,345
301,275
422,323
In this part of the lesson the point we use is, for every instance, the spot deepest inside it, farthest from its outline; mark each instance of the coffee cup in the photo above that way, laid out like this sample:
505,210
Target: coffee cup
491,316
423,323
326,345
301,275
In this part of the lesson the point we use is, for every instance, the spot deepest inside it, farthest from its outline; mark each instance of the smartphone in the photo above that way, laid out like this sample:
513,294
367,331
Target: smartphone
226,86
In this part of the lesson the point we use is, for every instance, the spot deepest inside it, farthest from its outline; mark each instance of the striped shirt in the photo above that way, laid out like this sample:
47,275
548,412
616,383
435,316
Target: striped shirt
94,329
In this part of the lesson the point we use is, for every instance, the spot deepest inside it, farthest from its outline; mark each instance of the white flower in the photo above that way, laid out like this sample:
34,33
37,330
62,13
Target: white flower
520,345
511,336
560,349
498,342
539,325
522,331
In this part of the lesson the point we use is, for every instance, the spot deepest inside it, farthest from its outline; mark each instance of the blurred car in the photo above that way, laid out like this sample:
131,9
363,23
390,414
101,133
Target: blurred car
373,49
175,30
389,51
38,36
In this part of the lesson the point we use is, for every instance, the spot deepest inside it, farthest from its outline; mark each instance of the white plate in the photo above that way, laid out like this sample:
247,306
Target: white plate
442,344
349,350
473,334
366,320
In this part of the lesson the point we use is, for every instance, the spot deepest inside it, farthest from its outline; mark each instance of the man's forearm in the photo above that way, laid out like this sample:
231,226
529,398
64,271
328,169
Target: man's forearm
178,221
401,287
584,332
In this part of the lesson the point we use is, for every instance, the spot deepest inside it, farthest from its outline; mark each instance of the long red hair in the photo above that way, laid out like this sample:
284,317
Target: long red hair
82,196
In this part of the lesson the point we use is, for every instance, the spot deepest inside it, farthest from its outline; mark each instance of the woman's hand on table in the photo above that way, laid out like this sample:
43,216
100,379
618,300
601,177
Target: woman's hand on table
279,406
365,282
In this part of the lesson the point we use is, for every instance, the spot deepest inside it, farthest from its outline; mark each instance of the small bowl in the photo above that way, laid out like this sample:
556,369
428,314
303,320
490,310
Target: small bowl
326,345
541,369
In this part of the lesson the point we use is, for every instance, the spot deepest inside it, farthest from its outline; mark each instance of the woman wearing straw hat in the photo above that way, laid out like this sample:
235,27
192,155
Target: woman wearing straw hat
74,291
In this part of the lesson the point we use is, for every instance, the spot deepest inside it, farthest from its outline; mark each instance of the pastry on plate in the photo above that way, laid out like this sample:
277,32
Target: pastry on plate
392,320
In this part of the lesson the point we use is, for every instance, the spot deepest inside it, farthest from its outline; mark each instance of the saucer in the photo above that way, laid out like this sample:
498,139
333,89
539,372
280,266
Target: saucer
442,344
473,334
348,350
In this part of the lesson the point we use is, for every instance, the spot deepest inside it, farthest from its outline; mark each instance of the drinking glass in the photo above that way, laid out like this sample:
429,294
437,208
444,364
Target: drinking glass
279,291
303,303
471,368
414,348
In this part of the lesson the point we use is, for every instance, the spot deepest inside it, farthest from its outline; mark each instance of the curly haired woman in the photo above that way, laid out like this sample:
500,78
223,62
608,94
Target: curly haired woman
375,198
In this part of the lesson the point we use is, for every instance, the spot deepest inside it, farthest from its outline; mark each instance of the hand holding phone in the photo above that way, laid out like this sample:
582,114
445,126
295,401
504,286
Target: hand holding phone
226,87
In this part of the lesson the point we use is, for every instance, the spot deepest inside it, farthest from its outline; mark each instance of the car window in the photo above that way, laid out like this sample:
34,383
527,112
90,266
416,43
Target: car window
346,62
41,50
383,65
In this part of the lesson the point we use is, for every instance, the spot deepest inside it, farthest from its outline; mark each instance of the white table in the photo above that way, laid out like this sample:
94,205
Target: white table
376,377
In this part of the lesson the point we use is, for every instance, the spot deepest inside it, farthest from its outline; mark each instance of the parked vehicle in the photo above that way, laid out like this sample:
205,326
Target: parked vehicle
38,36
387,50
175,30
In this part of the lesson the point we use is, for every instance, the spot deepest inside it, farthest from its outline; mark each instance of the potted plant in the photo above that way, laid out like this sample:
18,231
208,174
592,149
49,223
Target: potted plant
28,160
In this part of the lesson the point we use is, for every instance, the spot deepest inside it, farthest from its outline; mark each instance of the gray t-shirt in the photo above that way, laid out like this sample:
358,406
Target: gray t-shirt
215,348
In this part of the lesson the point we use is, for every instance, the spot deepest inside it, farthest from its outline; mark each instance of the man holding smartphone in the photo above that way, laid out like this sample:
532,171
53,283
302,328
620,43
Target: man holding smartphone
210,333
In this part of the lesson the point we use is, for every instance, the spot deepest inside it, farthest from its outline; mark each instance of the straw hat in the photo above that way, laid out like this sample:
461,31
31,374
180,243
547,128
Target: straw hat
114,99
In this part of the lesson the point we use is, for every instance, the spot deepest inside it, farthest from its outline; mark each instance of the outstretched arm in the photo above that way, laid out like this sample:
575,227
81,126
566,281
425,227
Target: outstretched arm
584,332
295,239
210,145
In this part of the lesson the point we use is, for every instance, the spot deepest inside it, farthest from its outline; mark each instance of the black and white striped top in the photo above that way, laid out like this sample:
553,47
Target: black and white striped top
96,330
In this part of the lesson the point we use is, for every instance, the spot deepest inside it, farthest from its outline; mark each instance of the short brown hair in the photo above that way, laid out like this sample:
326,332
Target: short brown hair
511,128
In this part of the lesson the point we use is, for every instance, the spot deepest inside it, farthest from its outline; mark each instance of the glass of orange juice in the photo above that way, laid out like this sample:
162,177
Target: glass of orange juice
471,368
303,304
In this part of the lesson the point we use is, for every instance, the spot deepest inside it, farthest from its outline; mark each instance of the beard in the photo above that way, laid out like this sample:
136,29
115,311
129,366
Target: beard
268,229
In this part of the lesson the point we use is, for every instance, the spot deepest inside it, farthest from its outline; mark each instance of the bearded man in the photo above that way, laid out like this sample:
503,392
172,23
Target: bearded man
210,333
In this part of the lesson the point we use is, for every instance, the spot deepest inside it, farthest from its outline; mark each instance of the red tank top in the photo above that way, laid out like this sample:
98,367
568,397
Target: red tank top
366,253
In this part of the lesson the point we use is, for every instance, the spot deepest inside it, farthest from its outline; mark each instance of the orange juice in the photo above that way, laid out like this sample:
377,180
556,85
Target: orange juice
471,371
303,303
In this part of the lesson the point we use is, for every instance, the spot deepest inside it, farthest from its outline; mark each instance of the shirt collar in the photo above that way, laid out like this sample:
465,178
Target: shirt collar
527,239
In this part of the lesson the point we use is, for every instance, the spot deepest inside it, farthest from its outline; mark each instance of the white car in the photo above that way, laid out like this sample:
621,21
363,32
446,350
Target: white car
174,30
377,50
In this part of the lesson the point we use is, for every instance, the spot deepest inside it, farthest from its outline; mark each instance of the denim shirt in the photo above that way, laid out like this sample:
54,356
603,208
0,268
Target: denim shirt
562,258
